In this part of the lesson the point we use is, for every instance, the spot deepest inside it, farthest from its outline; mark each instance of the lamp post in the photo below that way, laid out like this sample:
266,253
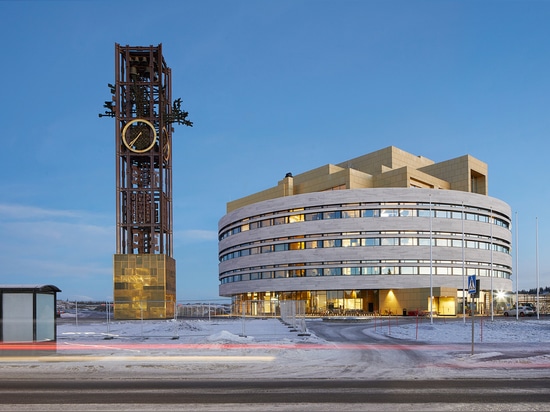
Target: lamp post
517,266
537,263
463,271
431,266
491,272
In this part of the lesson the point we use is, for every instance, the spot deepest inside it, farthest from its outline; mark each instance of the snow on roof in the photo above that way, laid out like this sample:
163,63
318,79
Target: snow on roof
28,288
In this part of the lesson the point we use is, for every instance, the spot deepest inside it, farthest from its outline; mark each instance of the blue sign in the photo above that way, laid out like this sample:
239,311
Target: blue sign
472,284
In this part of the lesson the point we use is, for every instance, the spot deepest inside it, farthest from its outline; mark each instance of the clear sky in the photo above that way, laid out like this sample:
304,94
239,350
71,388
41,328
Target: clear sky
272,87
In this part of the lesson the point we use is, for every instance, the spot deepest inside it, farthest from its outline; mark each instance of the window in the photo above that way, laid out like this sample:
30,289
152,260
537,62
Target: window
457,243
313,272
332,243
296,218
297,273
281,247
373,241
371,270
350,213
456,215
297,245
425,270
424,242
313,216
332,215
389,213
351,271
332,272
314,244
443,214
351,242
424,213
443,271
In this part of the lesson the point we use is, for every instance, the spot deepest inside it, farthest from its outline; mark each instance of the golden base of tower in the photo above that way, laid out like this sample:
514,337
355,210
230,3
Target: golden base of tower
144,286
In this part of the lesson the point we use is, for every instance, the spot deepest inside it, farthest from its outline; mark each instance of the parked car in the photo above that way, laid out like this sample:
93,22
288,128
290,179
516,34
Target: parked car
522,310
530,305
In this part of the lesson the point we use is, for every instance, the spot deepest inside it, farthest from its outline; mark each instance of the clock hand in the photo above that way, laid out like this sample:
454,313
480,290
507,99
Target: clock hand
137,137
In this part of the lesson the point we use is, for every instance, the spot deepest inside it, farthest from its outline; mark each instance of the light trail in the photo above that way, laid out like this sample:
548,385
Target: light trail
144,358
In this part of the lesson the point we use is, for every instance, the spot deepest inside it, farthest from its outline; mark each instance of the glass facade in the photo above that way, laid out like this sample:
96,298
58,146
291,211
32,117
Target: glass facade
353,302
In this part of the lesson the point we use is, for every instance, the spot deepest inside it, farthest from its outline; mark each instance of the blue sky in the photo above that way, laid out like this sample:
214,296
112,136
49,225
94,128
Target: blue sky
272,87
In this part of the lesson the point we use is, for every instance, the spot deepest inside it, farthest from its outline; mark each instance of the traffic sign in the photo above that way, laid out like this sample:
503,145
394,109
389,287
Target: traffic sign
472,284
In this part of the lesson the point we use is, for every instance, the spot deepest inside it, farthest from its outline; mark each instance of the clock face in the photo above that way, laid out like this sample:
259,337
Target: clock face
166,151
166,145
139,135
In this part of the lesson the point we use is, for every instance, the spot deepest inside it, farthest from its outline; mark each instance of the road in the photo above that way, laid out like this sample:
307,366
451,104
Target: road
249,395
93,387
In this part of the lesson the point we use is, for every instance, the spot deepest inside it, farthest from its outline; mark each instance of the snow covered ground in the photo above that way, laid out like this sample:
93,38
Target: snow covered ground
270,349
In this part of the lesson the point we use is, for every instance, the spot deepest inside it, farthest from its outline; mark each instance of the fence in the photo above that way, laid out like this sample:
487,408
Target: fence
293,313
182,309
191,319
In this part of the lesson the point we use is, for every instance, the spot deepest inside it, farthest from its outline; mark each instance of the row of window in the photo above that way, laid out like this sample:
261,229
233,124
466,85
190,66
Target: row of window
455,265
359,242
364,271
276,218
313,295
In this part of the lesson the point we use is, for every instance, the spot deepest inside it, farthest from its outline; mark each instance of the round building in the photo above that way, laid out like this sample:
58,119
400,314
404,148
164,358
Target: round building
384,250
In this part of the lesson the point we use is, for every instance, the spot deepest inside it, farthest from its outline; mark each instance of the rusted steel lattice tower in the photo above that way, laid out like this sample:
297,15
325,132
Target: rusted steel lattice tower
144,268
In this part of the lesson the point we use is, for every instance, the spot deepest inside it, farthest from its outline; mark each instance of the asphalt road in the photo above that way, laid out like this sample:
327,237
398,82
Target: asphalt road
82,392
319,395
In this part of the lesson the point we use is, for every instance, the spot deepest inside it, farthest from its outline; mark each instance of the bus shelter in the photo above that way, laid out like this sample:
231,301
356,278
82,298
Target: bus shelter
27,314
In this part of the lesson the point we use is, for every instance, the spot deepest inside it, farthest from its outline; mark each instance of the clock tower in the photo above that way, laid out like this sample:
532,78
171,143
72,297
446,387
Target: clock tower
144,269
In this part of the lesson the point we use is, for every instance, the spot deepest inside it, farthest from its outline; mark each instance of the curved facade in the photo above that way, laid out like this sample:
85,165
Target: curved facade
387,232
343,249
